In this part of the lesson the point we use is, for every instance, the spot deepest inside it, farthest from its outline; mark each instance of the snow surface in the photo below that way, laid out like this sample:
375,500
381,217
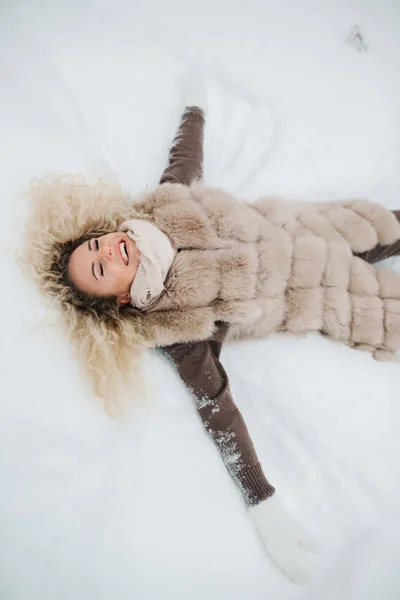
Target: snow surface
299,105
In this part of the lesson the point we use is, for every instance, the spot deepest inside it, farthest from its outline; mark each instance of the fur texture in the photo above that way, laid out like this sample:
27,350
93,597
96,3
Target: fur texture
273,266
270,266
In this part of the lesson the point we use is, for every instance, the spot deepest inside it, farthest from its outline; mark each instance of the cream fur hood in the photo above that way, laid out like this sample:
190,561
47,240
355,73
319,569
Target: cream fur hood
272,266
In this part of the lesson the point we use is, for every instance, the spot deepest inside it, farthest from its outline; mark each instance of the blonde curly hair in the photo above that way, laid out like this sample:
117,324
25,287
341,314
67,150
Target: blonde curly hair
64,211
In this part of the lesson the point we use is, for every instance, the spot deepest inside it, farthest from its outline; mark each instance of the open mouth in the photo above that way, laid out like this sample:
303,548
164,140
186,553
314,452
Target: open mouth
123,250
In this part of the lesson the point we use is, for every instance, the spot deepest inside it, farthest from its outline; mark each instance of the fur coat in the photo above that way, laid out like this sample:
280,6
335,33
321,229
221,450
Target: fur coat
271,266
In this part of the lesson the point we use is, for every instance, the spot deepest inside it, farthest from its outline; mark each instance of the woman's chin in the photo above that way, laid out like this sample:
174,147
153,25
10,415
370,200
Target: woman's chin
132,252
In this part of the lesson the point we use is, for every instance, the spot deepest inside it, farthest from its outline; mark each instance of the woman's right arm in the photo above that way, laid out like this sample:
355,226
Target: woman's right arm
284,539
199,367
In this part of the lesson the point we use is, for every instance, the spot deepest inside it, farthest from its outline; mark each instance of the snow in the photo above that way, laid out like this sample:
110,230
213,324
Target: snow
92,508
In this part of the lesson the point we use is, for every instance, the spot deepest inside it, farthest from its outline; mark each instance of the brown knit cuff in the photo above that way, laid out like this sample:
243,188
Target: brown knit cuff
254,485
195,111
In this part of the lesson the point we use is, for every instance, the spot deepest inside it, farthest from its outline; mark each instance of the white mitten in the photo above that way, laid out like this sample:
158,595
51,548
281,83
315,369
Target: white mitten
292,551
193,90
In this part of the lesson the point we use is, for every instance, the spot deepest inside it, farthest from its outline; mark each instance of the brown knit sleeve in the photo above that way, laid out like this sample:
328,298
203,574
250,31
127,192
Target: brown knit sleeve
199,366
186,154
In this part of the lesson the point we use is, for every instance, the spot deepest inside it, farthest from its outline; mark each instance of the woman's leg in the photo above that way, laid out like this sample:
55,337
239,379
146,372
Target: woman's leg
381,252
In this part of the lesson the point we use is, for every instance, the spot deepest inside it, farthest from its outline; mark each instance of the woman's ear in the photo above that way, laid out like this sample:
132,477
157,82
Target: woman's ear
124,299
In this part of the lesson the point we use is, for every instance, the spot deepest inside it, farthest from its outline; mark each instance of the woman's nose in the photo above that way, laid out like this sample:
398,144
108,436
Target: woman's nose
107,252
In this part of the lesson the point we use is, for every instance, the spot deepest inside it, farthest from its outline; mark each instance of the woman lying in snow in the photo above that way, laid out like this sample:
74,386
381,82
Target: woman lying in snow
184,267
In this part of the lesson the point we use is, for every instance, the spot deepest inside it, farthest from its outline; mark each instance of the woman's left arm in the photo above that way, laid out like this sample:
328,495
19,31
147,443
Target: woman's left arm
186,154
185,163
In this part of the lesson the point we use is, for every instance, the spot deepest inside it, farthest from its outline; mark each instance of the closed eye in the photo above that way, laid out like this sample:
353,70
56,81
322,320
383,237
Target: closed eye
96,245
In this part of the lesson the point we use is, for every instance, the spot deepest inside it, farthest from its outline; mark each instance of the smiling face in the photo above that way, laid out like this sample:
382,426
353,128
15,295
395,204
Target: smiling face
105,266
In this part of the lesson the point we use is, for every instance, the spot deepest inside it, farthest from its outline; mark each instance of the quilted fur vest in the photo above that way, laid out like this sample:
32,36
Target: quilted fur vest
272,266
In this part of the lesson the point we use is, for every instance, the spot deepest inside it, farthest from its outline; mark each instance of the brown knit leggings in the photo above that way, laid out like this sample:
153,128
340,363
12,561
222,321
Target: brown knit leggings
381,252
